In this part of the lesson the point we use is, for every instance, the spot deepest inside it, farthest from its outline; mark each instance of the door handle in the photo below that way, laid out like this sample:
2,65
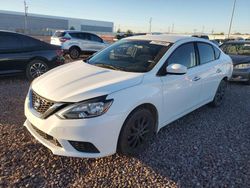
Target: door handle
196,78
218,71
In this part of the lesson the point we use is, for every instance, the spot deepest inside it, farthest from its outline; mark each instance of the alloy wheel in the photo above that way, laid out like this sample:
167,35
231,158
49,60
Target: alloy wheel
37,69
138,132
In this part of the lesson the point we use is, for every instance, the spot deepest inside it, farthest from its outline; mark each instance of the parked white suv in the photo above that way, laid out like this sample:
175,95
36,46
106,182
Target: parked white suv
76,42
124,94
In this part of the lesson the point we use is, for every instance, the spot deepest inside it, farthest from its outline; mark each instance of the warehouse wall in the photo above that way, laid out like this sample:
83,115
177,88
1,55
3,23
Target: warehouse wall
35,25
46,25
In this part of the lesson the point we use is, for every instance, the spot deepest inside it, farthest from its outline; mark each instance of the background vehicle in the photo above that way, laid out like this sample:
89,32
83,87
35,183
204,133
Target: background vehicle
201,36
124,94
21,54
239,51
215,42
76,42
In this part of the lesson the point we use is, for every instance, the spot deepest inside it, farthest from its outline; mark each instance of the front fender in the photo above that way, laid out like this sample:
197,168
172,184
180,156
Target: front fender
148,92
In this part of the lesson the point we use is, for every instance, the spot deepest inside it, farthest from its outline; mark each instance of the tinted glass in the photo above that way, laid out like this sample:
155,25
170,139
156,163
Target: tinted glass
217,53
10,42
236,49
184,55
131,55
75,35
95,38
29,42
82,36
206,53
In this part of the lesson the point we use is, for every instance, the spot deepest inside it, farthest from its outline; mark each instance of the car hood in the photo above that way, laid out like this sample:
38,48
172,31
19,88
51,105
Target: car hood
237,59
79,81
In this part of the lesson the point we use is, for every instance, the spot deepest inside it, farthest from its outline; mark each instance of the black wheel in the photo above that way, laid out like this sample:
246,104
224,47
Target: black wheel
74,53
220,93
36,68
137,130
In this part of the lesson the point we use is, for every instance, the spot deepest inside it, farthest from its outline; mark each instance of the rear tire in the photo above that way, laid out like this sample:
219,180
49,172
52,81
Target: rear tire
36,68
136,132
74,53
219,95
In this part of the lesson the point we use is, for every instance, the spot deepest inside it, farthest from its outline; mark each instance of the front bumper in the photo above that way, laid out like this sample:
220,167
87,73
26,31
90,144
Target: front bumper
102,132
242,75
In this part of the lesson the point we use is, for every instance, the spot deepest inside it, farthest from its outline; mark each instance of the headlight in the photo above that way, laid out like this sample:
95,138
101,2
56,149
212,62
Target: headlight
242,66
87,109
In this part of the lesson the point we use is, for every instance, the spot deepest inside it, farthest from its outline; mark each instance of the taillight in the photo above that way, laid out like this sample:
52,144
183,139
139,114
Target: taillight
64,39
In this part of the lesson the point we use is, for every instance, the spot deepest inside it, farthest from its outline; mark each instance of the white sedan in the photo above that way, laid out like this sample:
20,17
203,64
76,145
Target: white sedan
119,98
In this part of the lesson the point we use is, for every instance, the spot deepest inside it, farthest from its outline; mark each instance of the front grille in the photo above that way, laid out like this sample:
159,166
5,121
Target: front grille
51,139
40,104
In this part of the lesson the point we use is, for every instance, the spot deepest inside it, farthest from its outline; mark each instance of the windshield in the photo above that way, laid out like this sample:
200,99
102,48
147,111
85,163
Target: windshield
131,55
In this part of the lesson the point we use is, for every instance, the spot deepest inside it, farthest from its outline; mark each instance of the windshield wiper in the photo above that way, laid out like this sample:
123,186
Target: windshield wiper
106,66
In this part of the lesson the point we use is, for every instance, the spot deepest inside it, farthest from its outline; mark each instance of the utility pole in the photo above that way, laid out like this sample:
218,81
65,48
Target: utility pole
25,16
231,21
150,25
172,28
203,29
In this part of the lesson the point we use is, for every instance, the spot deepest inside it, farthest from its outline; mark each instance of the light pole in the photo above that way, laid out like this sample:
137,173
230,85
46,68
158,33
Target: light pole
25,16
231,21
150,24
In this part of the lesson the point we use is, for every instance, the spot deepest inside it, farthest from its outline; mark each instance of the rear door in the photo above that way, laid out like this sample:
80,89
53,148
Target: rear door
11,53
80,39
210,68
96,42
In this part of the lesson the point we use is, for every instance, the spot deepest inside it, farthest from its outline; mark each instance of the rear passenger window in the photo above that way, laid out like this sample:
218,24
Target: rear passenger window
206,53
29,42
10,42
217,53
75,35
184,55
95,38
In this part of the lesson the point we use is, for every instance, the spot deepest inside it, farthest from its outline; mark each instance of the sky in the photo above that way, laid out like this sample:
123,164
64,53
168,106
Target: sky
179,16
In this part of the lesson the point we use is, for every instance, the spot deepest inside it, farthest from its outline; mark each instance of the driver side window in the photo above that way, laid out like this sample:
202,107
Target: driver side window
184,55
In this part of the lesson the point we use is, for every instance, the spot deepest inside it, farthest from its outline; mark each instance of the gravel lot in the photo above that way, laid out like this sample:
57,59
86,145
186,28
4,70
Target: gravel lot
207,148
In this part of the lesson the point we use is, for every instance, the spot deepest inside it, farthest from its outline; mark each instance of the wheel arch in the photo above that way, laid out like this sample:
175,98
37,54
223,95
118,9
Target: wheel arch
225,78
75,46
38,58
152,108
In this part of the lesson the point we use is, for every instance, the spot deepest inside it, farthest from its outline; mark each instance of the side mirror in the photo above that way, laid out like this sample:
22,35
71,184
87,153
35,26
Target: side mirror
176,69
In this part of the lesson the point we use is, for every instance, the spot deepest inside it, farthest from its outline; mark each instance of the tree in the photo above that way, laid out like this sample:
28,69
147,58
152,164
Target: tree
129,31
72,28
119,30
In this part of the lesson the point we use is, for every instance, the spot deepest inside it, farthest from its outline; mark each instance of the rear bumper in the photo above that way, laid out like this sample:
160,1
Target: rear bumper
241,75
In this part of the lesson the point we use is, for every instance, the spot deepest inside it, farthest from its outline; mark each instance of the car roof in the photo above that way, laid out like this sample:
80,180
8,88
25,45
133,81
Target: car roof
6,31
163,37
72,31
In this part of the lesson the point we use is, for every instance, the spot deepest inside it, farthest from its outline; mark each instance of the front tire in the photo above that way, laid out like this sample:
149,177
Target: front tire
137,130
219,95
36,68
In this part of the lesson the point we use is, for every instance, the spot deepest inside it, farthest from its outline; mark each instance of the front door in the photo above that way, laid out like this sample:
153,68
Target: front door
181,92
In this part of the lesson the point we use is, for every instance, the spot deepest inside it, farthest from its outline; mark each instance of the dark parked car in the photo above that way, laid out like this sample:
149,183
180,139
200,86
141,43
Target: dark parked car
239,51
21,54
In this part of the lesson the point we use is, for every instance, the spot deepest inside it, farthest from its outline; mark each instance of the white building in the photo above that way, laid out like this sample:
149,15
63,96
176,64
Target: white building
38,24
